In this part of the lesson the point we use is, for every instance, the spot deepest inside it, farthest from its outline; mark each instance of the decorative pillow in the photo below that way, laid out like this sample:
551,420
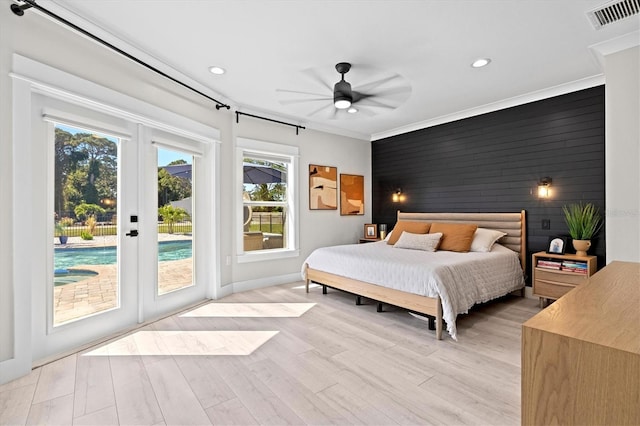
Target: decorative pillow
426,242
405,225
484,239
455,236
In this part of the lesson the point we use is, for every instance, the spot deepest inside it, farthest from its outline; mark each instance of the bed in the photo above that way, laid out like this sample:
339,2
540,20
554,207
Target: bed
440,284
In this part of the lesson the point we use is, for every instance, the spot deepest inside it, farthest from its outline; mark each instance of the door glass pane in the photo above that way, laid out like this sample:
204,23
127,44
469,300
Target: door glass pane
265,204
85,233
175,215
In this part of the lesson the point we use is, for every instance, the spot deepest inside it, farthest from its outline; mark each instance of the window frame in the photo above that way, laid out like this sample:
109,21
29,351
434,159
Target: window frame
280,152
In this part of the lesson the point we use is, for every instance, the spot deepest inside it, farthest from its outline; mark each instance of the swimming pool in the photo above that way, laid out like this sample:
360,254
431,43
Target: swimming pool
65,258
67,276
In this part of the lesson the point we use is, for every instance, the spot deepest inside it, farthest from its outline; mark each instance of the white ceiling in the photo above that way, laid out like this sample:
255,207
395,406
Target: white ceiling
537,48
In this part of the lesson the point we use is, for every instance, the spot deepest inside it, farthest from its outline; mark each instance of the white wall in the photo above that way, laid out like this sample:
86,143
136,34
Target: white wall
42,40
622,154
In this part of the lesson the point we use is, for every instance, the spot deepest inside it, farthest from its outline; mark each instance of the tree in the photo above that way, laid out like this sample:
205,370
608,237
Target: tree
171,188
85,169
171,215
84,211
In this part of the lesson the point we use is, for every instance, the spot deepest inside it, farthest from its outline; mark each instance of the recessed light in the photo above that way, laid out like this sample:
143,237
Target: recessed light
352,110
479,63
217,70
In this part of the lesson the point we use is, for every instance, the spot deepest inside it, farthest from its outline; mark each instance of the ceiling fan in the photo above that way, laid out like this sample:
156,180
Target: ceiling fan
385,91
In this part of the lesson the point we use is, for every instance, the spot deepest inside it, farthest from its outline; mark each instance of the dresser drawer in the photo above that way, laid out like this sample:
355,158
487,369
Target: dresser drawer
552,290
559,276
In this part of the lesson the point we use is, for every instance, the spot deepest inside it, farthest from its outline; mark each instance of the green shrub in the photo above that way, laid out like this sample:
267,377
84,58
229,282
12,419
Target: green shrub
86,235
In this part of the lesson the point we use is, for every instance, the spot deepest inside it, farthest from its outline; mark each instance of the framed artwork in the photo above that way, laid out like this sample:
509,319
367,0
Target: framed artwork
351,195
371,231
323,187
557,245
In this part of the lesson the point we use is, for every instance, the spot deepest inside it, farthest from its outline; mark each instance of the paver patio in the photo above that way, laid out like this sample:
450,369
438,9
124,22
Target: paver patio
98,293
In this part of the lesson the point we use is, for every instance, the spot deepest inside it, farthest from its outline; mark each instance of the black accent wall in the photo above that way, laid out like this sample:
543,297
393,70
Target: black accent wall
493,162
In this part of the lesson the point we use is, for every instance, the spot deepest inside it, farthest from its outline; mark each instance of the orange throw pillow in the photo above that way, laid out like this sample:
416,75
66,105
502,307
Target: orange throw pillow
455,236
413,227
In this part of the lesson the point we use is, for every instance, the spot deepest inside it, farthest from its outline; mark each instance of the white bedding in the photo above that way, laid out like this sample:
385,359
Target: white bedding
460,279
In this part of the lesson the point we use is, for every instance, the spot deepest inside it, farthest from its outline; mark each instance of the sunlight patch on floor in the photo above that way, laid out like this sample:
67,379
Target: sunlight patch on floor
185,343
251,310
303,286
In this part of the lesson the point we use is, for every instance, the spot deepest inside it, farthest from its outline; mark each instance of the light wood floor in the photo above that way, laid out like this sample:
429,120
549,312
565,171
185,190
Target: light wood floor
291,358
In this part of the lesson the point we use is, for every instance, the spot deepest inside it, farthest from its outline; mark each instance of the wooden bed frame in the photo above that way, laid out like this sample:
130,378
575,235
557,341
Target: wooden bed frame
514,224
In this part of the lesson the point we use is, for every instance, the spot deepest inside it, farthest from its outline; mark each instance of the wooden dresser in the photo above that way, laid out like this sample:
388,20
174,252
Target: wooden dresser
581,355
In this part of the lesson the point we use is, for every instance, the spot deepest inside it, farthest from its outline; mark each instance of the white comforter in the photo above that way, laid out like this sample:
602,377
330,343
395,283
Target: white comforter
460,279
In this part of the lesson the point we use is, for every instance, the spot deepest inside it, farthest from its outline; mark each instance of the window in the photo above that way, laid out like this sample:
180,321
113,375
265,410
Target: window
268,199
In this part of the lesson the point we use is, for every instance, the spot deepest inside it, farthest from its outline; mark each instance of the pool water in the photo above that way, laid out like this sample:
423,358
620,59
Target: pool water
65,258
67,276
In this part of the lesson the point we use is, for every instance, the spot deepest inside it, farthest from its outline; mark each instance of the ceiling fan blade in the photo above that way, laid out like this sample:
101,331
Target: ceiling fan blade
392,91
298,92
368,87
313,74
320,109
365,111
301,101
373,103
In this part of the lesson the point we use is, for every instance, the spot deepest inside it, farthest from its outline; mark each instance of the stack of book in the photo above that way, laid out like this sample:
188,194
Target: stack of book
549,264
570,266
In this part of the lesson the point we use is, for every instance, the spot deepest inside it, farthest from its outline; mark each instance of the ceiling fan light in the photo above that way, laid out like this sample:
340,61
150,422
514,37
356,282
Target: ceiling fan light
341,103
352,110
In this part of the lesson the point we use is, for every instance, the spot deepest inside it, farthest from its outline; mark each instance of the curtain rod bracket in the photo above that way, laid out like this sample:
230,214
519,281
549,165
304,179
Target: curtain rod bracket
19,9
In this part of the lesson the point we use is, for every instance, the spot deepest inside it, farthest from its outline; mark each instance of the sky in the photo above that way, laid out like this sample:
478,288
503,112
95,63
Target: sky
165,156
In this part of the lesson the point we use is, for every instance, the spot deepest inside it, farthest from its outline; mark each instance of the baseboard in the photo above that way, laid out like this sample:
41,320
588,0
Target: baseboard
240,286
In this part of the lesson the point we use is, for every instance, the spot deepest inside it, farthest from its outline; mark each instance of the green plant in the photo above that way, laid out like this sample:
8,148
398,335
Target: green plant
583,220
62,225
86,235
85,210
171,215
91,223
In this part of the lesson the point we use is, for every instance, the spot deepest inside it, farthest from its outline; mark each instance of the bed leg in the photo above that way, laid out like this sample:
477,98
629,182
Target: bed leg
324,289
432,323
439,321
379,307
358,300
306,276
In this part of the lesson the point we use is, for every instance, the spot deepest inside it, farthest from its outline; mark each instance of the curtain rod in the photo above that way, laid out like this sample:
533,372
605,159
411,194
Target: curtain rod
19,10
297,126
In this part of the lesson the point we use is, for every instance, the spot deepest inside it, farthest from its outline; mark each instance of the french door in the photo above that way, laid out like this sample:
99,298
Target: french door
119,247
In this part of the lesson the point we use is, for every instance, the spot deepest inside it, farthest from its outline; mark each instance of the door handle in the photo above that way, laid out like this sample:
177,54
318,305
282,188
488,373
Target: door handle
132,233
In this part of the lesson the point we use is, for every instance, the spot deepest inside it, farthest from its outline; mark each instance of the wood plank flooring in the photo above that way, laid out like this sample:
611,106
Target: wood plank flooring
292,358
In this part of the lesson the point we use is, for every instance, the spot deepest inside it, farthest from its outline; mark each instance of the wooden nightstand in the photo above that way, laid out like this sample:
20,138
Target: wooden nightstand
368,240
554,275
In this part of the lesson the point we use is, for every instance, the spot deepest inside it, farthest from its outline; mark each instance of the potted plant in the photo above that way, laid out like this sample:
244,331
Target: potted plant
61,229
584,221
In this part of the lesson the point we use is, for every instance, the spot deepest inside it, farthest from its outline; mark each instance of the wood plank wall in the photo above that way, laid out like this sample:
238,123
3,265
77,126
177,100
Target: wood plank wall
493,162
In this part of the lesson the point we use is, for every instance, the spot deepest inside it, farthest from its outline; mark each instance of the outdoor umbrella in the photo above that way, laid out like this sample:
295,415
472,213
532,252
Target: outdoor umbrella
258,173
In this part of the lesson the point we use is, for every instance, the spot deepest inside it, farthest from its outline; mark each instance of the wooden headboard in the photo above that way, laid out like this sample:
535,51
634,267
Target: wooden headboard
514,224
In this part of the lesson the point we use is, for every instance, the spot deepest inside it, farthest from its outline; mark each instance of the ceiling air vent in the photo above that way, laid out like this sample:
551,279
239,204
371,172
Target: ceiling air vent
612,12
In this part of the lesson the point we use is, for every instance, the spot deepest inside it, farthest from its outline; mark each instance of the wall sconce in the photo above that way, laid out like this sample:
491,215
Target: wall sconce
398,196
544,187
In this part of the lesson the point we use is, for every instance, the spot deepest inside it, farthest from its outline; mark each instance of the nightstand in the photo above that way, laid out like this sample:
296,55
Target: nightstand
554,275
368,240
